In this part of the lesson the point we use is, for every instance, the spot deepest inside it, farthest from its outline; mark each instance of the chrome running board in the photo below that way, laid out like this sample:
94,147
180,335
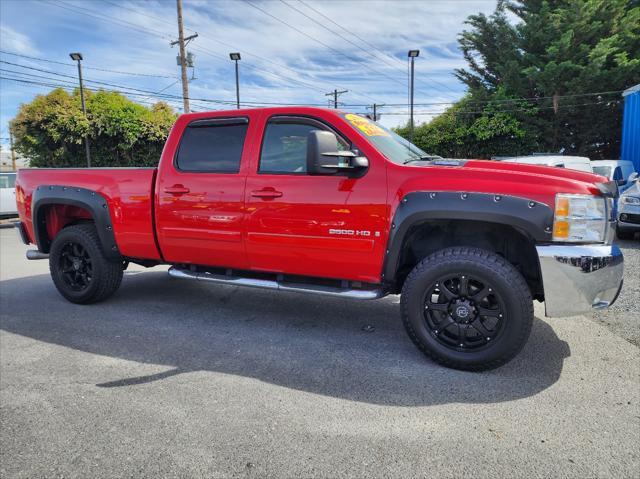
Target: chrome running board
351,293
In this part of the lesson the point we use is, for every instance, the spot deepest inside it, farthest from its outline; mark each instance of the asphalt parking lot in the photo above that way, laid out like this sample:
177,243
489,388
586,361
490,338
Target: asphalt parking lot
171,378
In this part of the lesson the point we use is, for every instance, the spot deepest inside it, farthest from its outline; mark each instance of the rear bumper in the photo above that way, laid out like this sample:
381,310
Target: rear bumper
579,278
22,232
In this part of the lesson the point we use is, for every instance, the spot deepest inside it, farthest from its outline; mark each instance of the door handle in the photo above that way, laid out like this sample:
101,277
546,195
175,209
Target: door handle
176,190
266,193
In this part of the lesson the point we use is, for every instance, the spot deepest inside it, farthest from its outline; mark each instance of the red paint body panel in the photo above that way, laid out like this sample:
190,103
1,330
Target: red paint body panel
128,193
323,226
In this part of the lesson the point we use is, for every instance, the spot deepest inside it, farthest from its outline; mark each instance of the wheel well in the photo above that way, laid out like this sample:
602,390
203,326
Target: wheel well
52,218
427,237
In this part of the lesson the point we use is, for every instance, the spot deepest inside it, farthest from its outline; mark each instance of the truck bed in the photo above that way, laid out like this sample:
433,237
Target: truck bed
128,191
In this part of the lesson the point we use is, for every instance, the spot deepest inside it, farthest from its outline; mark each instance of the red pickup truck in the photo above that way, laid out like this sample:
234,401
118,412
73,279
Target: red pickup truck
321,201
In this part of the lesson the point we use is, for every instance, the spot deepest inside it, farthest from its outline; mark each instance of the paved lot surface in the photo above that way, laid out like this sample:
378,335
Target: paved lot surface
623,317
176,379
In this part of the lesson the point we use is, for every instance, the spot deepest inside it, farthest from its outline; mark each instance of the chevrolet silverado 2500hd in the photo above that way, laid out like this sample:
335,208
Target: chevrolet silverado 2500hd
326,202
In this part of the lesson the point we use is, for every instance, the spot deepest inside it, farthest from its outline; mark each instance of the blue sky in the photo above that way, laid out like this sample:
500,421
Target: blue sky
292,51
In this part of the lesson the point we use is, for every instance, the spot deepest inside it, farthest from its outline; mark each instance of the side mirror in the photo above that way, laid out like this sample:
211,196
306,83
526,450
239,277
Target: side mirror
618,178
633,177
322,157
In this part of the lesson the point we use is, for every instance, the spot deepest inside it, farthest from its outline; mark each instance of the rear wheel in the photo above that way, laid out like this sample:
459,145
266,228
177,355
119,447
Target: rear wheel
78,267
467,308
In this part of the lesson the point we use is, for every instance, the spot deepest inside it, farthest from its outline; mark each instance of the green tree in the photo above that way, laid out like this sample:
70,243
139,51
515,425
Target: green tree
475,130
553,52
50,130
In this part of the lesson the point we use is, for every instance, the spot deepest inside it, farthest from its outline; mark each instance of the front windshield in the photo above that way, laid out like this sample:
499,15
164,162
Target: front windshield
390,144
602,171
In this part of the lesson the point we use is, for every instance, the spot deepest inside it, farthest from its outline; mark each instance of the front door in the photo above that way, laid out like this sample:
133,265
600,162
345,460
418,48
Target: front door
328,226
200,197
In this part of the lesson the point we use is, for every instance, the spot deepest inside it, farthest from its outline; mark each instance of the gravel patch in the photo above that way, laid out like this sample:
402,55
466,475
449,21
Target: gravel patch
623,318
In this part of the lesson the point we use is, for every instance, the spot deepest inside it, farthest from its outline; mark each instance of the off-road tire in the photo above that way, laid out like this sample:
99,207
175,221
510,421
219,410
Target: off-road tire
506,281
106,275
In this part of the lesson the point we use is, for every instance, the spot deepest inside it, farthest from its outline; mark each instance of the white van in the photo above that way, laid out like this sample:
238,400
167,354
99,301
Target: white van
581,163
621,171
8,195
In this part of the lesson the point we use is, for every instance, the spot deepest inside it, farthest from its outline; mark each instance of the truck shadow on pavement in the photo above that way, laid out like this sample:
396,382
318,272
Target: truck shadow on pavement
307,343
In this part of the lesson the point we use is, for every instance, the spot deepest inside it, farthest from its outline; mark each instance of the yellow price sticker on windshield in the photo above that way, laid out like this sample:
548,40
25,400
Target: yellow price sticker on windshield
365,125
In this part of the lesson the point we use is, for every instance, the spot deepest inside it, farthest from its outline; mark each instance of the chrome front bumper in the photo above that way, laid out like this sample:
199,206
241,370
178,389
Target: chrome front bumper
579,278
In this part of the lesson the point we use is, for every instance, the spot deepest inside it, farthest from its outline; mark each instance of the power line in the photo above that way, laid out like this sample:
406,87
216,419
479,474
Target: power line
245,52
475,102
120,5
461,112
92,13
86,67
361,39
323,44
156,33
146,93
162,35
529,110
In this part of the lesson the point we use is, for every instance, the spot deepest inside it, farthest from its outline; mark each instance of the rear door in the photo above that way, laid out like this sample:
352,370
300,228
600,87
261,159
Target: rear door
200,195
313,225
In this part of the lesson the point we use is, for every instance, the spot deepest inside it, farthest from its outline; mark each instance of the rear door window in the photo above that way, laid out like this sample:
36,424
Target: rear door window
212,146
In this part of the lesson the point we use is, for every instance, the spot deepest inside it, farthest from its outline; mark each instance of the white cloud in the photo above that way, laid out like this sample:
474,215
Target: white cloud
279,64
15,41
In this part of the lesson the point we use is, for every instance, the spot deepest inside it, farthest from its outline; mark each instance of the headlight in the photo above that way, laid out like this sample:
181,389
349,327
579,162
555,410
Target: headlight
630,200
579,218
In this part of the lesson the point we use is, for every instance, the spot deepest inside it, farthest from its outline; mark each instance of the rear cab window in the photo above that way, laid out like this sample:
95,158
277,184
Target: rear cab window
212,146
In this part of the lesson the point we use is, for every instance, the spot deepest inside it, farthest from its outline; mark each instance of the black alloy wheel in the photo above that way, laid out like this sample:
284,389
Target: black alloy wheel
463,313
75,266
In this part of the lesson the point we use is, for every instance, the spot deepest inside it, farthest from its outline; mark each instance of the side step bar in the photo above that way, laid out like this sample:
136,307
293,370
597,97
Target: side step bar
350,293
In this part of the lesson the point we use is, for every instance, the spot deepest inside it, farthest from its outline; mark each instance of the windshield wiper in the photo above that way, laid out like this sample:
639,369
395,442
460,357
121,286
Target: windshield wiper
422,158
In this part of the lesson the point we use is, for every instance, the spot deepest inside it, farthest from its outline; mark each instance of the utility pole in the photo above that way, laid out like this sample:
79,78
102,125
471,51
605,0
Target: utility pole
374,115
375,111
335,94
78,57
13,152
183,60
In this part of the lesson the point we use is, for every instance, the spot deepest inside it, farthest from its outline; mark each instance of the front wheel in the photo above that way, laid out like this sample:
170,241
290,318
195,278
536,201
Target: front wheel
79,268
467,308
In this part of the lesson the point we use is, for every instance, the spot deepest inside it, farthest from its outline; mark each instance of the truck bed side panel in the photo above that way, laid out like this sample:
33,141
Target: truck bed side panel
129,193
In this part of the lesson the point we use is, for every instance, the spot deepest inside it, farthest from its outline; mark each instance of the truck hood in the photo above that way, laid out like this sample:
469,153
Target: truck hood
531,181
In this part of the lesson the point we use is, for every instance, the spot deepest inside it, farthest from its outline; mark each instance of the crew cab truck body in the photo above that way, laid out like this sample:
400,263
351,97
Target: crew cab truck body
321,201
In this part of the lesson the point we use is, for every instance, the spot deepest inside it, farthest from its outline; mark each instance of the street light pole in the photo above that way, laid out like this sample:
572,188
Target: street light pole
412,54
235,57
78,57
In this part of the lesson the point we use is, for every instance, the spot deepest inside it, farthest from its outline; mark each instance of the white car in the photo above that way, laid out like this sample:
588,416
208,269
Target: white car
629,212
8,195
620,171
581,163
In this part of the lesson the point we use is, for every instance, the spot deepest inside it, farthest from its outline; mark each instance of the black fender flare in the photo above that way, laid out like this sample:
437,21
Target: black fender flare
532,217
89,200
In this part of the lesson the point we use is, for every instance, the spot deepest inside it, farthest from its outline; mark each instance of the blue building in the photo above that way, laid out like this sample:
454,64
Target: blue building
631,126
